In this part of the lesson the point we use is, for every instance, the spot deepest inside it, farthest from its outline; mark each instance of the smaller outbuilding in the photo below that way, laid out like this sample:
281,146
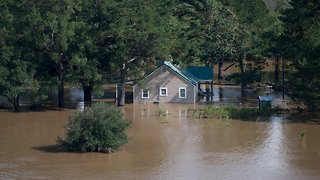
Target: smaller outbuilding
169,84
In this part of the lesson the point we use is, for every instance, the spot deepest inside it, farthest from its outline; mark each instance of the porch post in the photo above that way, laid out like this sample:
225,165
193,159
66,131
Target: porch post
211,90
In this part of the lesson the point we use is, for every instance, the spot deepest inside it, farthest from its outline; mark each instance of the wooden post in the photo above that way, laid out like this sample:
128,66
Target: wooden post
116,98
211,90
207,92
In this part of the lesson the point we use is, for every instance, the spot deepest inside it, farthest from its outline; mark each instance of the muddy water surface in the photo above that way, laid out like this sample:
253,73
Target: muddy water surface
176,146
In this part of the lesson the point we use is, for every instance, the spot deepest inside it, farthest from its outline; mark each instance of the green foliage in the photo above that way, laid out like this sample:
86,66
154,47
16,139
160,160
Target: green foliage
162,112
230,112
53,43
211,111
100,127
16,69
141,29
301,45
256,23
208,31
249,77
89,45
76,42
220,113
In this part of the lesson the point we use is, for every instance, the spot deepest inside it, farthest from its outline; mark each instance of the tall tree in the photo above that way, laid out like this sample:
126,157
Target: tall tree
90,45
17,23
211,29
55,35
302,45
140,30
272,36
254,20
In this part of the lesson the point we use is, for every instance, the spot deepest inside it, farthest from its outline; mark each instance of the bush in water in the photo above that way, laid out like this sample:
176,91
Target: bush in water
162,112
100,127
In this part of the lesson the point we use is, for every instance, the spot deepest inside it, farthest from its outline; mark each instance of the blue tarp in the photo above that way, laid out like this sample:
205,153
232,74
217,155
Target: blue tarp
265,98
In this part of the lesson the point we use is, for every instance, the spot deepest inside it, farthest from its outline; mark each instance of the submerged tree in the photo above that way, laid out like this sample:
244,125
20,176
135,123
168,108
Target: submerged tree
301,46
90,51
17,22
55,34
254,21
272,38
38,35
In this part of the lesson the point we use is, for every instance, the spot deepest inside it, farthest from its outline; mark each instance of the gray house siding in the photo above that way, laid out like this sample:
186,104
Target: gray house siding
166,78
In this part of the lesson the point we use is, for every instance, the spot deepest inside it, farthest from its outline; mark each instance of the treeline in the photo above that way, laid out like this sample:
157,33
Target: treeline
50,44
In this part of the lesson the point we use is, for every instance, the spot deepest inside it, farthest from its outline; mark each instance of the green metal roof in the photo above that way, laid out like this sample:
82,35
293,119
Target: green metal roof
186,75
201,72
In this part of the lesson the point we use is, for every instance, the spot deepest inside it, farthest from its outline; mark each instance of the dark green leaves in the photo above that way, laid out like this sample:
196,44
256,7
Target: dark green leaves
301,44
97,128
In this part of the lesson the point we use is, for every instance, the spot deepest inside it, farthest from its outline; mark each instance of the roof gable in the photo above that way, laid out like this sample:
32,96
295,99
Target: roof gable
189,77
186,75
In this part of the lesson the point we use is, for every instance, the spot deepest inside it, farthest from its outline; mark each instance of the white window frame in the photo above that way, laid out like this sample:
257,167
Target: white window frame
143,97
161,88
185,93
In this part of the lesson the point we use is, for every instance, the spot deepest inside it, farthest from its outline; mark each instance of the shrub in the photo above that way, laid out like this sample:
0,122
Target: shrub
100,127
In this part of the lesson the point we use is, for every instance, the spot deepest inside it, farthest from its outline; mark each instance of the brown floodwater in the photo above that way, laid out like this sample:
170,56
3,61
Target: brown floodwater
176,146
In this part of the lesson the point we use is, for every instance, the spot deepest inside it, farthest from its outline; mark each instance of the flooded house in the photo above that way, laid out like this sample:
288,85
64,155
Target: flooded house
169,84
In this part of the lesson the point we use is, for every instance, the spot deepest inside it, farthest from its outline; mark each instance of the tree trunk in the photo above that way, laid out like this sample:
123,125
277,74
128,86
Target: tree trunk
121,89
16,103
242,78
61,84
220,72
87,94
276,69
220,93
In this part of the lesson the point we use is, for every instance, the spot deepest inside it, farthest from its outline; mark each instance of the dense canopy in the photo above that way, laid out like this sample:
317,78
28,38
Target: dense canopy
51,44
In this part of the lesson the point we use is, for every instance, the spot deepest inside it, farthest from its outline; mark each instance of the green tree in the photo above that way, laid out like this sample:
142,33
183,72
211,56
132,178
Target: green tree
141,30
55,34
272,37
254,21
301,46
17,20
211,29
91,54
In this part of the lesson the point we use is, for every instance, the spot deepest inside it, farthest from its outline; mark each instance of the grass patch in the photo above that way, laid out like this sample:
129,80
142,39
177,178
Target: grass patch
230,112
164,122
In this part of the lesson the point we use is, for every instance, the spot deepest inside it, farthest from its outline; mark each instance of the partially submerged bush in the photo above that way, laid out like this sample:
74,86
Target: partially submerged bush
100,127
230,112
162,112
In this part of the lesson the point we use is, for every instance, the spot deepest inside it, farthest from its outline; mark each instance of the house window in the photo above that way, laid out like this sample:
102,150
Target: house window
145,93
182,92
163,91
